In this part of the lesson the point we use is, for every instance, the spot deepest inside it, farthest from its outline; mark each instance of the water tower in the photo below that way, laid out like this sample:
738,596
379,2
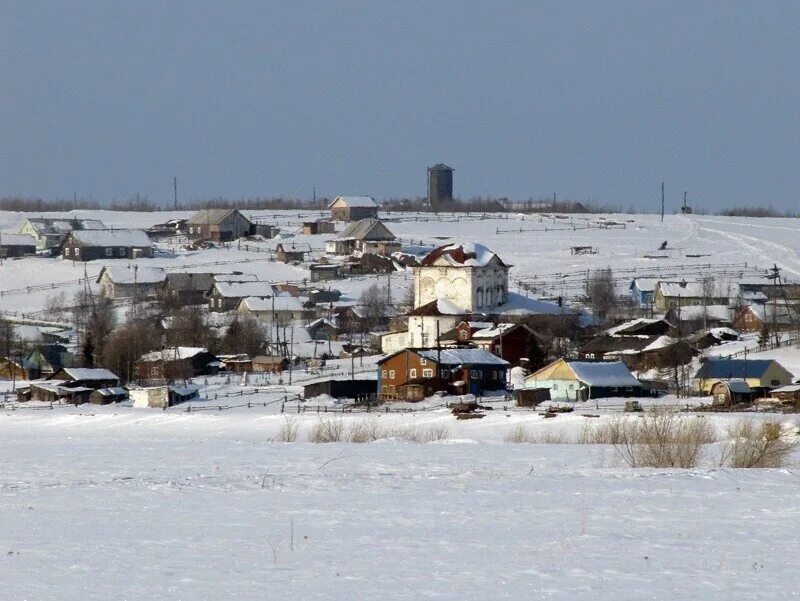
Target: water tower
440,186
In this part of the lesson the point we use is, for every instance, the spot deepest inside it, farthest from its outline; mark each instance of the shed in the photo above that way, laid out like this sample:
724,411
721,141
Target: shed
17,245
323,272
320,226
269,364
341,387
353,208
104,396
731,392
294,253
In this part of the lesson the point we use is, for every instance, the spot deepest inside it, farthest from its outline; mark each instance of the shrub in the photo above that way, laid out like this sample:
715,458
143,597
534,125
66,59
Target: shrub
420,434
327,430
663,439
758,445
365,431
288,431
519,435
608,432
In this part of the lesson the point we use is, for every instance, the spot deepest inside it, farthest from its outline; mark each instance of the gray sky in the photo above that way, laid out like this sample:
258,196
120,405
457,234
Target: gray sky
599,100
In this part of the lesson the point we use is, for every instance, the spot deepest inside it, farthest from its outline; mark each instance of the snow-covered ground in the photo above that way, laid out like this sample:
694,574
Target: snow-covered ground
163,506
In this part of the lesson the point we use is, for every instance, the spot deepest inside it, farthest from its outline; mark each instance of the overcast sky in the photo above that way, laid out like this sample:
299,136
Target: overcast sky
588,100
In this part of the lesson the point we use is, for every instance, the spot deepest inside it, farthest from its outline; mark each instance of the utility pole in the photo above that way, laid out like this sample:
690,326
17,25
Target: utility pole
175,190
662,202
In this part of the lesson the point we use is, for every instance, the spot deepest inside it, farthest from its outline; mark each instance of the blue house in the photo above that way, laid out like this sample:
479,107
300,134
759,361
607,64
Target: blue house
643,291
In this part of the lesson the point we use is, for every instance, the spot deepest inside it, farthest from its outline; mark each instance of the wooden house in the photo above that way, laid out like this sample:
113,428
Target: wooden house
50,232
90,245
470,369
324,272
237,364
787,394
696,318
46,359
88,377
353,208
226,296
775,318
52,392
218,225
16,245
175,363
270,364
642,292
761,375
583,380
361,236
131,281
291,253
320,226
322,329
181,289
675,295
12,370
511,341
324,296
281,308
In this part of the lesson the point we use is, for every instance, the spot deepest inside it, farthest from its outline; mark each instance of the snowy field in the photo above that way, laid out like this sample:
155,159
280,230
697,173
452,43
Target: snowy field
204,507
122,503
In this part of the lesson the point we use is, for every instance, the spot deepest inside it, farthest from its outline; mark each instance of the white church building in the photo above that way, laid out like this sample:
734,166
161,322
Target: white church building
450,283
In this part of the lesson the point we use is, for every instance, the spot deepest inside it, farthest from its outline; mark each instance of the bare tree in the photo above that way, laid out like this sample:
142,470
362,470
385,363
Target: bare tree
126,345
245,335
600,295
373,300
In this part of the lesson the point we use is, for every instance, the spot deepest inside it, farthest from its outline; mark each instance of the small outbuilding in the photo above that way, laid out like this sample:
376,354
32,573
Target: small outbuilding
731,392
353,208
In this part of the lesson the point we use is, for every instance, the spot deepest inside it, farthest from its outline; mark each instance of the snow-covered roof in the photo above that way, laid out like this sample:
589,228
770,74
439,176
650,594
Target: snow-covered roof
279,303
630,325
495,331
698,312
130,274
612,373
660,342
235,277
115,391
460,254
440,306
7,239
729,368
210,216
89,373
173,353
644,284
356,201
112,238
738,386
790,388
780,314
518,304
462,356
696,289
244,289
366,229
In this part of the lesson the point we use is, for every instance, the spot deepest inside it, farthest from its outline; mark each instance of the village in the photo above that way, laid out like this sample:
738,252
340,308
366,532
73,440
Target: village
332,309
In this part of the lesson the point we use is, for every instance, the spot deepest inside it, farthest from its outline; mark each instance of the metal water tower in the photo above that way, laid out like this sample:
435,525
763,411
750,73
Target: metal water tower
440,185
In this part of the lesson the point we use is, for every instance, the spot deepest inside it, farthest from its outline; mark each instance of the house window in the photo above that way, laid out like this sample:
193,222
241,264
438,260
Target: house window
412,373
427,373
77,251
445,373
776,383
423,361
391,374
109,252
66,251
555,386
474,373
383,374
463,334
121,252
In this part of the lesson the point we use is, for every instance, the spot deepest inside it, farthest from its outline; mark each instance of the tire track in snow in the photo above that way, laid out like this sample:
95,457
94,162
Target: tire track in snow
759,250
